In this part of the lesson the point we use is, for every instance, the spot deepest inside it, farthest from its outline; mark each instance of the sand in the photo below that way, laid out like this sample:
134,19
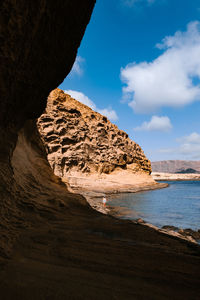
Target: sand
174,176
117,182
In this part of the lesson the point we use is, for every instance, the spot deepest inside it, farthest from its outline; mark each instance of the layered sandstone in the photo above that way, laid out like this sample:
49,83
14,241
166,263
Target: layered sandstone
52,244
39,42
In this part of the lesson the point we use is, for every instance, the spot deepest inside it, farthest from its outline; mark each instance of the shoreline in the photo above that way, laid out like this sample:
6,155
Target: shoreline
158,176
94,198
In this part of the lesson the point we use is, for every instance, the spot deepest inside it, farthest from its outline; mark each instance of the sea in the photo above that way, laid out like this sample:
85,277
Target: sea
177,205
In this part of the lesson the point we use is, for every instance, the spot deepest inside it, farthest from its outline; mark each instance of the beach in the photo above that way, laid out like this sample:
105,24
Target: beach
95,199
161,176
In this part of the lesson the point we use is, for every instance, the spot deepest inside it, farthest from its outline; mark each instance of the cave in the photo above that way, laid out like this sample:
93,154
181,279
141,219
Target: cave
53,245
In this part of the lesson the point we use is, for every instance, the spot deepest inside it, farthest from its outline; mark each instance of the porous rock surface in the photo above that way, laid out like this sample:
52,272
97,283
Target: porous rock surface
52,244
78,139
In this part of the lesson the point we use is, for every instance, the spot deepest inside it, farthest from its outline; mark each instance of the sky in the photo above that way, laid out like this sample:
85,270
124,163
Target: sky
139,64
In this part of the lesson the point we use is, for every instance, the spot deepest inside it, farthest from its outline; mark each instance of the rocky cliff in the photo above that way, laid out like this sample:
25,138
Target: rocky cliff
39,42
80,140
52,244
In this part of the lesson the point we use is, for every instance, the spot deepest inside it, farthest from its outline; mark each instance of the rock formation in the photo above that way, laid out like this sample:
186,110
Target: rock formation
39,41
52,244
80,140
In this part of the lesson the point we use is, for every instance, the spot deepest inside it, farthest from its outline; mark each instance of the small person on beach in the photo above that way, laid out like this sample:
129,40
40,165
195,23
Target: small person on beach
104,201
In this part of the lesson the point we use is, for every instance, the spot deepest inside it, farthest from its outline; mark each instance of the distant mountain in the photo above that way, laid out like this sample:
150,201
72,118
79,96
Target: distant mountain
176,166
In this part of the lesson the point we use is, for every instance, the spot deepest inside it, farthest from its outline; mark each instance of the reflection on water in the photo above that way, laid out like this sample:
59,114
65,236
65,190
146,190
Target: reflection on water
177,205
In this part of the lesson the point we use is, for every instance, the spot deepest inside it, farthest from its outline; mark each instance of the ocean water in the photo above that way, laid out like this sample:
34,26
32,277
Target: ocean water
177,205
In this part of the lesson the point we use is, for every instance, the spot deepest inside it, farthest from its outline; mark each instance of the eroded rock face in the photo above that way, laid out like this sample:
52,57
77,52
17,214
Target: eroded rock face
39,42
77,139
52,244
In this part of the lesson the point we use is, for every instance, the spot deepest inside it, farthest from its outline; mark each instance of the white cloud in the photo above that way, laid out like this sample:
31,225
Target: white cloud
189,147
192,138
108,112
172,79
156,124
78,66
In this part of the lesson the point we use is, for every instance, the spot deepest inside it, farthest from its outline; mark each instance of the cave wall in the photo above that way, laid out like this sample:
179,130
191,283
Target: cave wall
39,42
52,244
38,45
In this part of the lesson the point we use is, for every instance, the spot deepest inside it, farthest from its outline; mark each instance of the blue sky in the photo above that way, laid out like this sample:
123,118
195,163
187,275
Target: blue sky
139,64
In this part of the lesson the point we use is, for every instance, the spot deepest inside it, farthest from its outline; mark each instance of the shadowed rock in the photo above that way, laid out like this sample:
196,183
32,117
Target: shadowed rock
52,244
39,41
